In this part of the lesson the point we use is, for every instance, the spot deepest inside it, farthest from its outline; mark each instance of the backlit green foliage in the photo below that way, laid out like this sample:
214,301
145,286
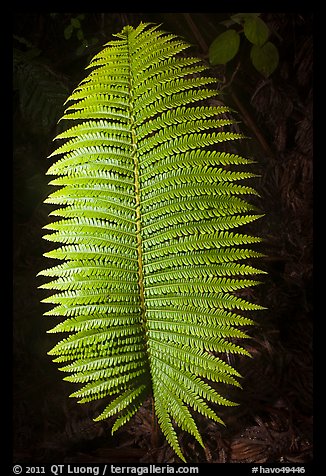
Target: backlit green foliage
148,213
263,53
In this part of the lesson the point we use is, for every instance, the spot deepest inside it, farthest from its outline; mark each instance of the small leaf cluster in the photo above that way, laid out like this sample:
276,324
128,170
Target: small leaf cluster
75,27
263,53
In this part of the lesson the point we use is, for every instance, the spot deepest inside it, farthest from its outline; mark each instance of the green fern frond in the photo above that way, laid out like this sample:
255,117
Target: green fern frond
148,218
41,90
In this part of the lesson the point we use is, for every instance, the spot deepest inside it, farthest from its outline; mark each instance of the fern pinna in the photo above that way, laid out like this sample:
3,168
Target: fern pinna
150,255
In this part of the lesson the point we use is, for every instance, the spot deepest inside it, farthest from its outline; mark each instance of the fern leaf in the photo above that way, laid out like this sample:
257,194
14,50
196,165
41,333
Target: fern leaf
121,402
165,422
41,90
148,231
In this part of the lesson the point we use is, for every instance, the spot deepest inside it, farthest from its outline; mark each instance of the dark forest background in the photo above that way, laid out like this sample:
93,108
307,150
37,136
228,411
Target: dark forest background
274,420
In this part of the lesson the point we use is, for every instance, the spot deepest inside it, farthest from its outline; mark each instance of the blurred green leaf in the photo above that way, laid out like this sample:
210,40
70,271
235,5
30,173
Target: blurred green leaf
256,30
80,34
23,41
227,23
241,17
75,22
68,32
80,50
224,47
265,58
33,53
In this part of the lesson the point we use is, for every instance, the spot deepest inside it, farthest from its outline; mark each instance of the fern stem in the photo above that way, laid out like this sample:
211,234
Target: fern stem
139,241
137,194
155,435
